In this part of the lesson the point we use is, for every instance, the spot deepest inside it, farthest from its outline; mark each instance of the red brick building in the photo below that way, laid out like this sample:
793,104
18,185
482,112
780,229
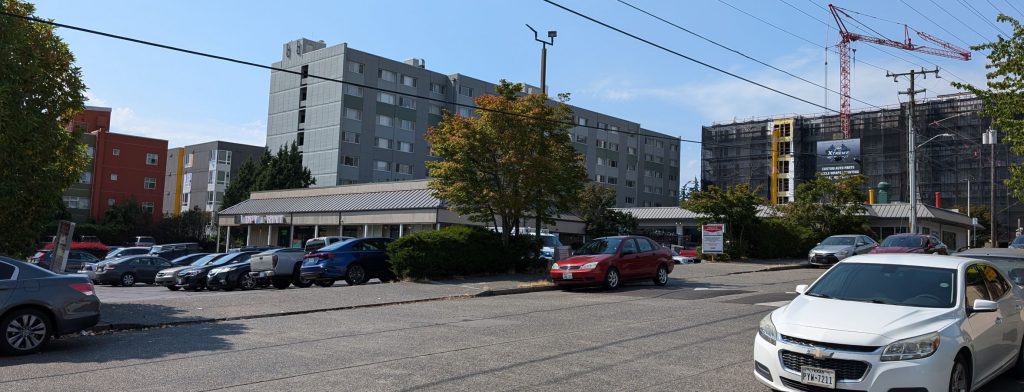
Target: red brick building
123,167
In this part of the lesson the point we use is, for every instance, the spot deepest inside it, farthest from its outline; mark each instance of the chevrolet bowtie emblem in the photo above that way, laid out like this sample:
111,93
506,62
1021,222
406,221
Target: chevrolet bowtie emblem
819,354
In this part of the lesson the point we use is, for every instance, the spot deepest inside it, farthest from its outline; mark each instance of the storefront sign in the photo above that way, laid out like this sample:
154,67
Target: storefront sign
713,238
261,219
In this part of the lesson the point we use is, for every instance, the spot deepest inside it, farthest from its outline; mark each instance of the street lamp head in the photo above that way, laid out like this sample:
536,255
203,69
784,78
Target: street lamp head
946,135
552,34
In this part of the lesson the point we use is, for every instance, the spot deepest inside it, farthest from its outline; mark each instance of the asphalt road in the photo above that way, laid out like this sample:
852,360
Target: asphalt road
694,335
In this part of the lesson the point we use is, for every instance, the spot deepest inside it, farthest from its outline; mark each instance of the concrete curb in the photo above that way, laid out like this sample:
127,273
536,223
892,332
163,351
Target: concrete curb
517,290
775,268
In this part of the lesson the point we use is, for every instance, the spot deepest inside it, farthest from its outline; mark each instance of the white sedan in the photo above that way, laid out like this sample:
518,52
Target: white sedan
894,322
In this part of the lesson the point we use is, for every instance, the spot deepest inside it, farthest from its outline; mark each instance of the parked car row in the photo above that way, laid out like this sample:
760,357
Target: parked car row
609,261
838,247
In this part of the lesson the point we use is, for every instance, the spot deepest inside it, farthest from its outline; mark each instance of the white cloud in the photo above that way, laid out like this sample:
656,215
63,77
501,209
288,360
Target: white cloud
180,133
93,100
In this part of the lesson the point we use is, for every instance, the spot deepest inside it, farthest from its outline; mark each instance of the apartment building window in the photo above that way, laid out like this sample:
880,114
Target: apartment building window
387,76
404,146
407,125
302,94
302,116
631,150
784,148
75,202
657,190
116,152
673,177
673,163
350,161
223,177
149,183
354,91
652,173
355,67
659,144
224,157
783,167
631,166
613,180
465,112
86,178
382,143
602,125
407,102
92,151
581,139
659,159
188,160
466,91
381,166
783,185
649,157
613,163
304,71
113,176
630,184
673,147
353,114
629,200
408,80
350,137
437,88
613,128
403,168
300,138
581,121
148,207
673,193
385,120
386,98
434,109
648,189
184,199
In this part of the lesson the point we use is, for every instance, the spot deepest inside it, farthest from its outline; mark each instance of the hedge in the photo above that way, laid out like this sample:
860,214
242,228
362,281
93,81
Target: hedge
454,251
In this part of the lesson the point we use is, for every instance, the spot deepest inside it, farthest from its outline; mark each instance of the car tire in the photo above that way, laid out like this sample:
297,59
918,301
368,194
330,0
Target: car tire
280,283
14,323
297,279
612,280
1018,368
355,274
127,279
324,283
960,376
246,282
173,288
661,277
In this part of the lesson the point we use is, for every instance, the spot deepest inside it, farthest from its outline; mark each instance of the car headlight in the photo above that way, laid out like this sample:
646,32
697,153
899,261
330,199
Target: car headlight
913,348
589,266
767,329
555,266
843,253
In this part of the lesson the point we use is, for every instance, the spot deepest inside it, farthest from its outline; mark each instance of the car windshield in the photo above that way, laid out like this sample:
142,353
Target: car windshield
903,241
600,246
206,259
838,241
227,259
903,285
550,241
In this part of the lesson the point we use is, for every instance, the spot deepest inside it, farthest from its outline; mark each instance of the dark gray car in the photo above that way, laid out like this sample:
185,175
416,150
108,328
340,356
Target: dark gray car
37,305
126,271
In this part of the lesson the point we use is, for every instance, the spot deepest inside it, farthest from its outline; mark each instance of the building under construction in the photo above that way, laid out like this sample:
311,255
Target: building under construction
775,154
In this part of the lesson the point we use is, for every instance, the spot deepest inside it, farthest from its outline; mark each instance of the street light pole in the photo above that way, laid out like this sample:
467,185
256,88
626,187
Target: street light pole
989,137
544,56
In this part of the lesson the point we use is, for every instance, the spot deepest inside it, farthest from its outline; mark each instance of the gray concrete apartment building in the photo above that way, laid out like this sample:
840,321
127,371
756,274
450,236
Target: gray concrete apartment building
197,175
373,129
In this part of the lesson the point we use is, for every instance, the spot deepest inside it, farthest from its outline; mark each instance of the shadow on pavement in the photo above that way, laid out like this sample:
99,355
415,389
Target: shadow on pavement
145,343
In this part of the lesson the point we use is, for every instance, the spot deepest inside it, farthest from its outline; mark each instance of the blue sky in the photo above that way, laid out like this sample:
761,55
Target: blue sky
187,99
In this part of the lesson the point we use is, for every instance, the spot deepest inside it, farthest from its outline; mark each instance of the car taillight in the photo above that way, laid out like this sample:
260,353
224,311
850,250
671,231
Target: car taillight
84,288
275,261
324,256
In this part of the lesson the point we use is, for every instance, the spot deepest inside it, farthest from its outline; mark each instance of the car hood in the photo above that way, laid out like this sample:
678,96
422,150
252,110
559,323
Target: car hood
831,248
174,269
857,323
898,249
583,259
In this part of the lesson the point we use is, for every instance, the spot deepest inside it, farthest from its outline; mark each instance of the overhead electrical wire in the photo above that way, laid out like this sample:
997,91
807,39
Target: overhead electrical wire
982,17
935,23
983,37
737,51
1015,8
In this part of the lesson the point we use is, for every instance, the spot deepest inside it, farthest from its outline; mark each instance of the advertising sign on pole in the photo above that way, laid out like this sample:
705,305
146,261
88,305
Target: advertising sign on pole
713,238
62,246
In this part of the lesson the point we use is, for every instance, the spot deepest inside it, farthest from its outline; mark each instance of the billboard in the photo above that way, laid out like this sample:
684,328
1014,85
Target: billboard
837,158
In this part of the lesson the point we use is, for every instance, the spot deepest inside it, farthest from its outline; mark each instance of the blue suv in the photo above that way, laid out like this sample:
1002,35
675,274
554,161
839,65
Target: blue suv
355,260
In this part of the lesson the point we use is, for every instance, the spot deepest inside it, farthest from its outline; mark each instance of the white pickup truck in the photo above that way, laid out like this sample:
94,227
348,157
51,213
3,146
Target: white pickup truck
281,266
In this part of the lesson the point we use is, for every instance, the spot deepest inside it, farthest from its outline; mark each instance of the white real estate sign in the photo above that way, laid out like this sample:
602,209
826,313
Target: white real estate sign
713,238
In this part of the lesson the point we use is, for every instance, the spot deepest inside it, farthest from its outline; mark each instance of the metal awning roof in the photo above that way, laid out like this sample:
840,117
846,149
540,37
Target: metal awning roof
369,201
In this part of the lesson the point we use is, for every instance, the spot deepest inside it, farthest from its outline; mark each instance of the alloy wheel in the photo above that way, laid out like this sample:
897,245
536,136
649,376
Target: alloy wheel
247,282
127,280
356,274
612,279
958,379
662,275
26,332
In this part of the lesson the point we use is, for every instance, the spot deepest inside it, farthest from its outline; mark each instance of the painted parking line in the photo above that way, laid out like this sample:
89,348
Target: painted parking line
776,304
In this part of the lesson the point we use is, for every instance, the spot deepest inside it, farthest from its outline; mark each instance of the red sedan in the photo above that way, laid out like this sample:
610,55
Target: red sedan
609,261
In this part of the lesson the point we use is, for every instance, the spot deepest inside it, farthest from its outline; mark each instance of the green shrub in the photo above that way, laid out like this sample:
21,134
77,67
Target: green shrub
779,238
455,251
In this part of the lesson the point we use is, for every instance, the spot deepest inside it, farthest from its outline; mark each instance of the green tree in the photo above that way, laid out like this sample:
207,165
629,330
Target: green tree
736,207
41,90
283,171
512,161
594,206
240,187
188,226
1003,97
829,206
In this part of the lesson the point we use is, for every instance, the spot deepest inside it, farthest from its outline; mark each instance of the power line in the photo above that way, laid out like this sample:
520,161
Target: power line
994,7
983,38
1015,8
982,17
737,52
638,38
935,23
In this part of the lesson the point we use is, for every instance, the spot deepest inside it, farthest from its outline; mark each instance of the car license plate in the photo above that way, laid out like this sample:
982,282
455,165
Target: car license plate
818,377
567,276
180,281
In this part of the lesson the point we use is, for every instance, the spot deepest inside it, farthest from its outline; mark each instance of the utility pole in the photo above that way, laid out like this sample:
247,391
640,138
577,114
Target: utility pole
990,138
544,55
911,140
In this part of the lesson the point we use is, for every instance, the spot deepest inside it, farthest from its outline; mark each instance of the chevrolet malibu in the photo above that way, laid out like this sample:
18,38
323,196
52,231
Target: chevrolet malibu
609,261
894,323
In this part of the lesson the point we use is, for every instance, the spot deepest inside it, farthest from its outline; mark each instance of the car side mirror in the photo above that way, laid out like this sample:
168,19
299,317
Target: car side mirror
800,289
983,306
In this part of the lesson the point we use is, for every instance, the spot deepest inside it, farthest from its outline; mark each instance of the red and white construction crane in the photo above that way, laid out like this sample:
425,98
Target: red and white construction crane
846,37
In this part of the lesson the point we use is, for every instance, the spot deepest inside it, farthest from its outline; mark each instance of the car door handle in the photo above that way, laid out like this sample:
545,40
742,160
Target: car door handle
999,320
1020,307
